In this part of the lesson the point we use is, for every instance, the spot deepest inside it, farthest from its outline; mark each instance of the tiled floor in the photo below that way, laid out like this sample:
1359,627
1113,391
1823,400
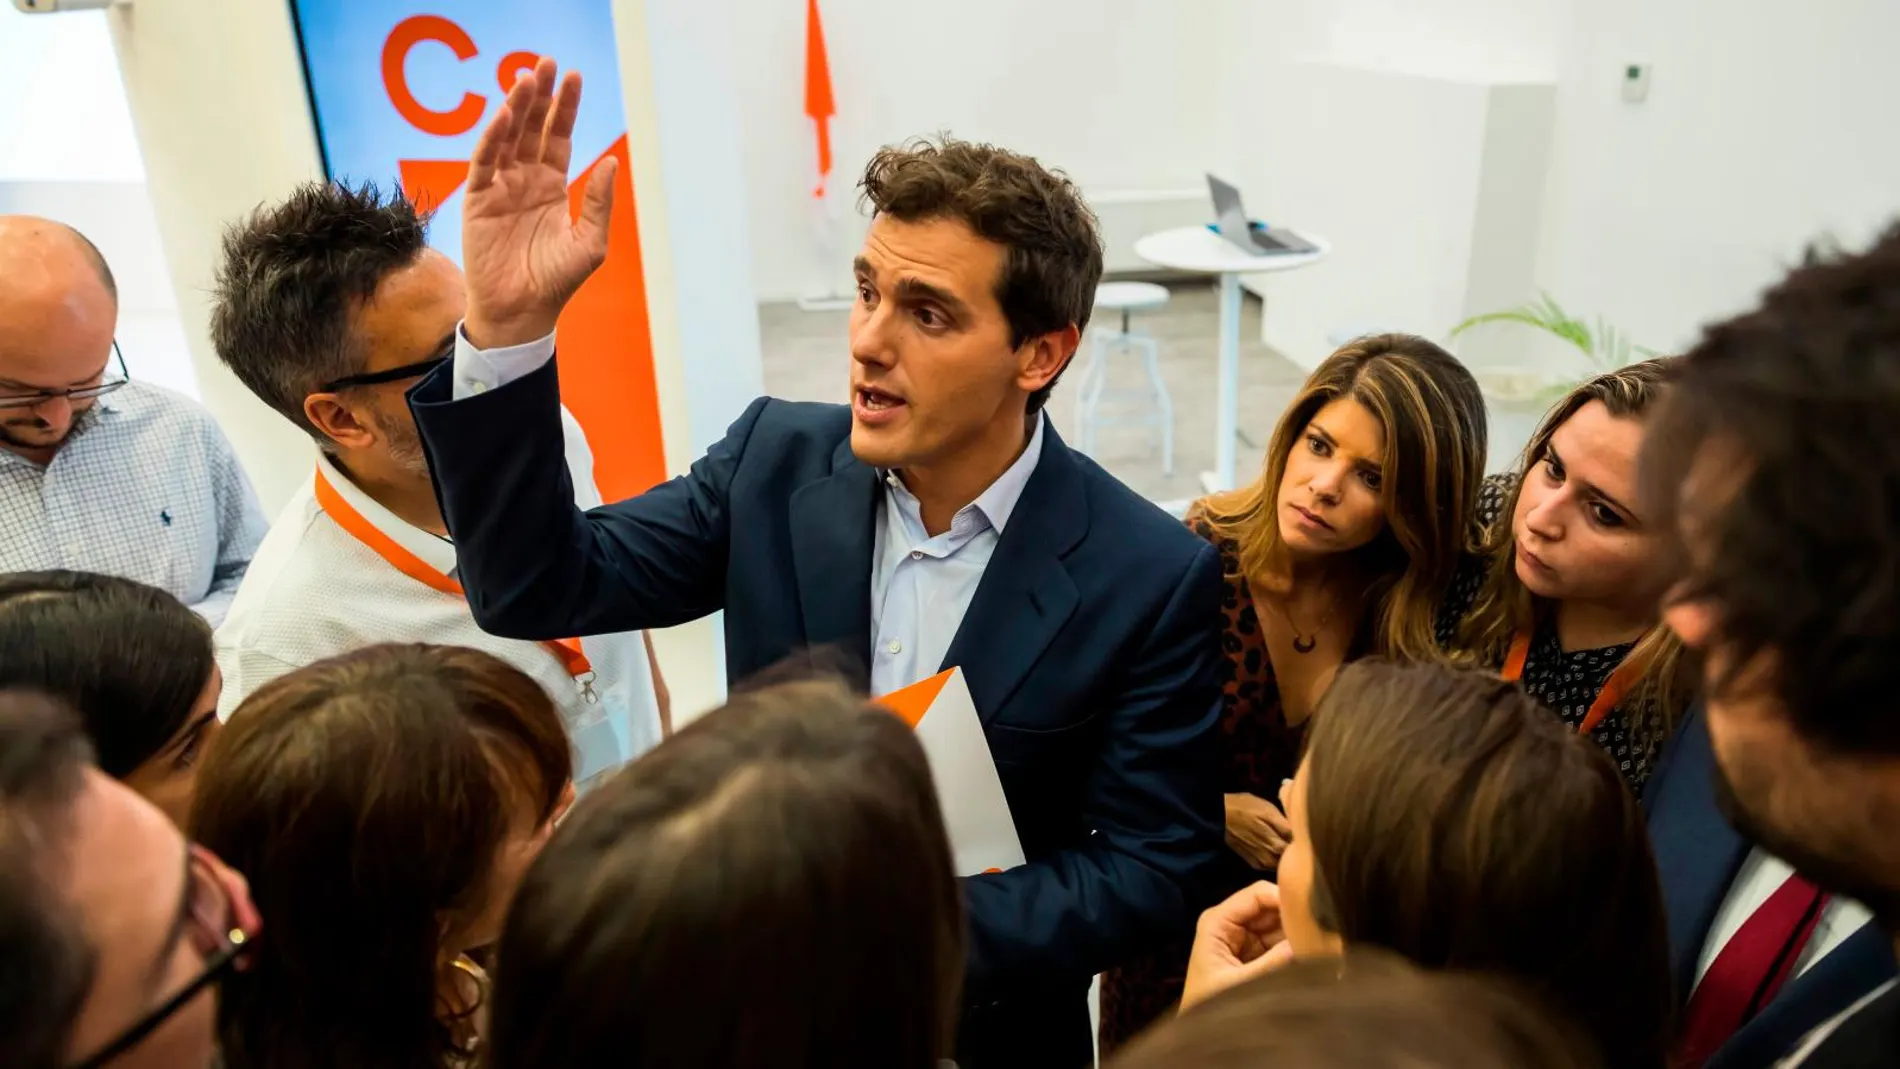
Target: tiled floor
806,359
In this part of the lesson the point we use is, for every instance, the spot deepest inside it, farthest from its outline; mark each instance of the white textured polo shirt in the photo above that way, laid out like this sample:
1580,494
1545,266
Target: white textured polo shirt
314,591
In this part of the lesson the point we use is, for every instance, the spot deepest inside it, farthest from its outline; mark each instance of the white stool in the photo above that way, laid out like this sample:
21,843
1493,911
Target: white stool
1126,298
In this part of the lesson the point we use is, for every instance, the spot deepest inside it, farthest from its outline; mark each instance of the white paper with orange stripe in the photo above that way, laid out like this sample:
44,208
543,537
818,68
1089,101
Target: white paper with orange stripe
975,810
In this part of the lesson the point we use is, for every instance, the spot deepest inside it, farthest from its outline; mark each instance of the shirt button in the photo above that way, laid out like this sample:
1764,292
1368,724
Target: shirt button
477,387
916,554
895,647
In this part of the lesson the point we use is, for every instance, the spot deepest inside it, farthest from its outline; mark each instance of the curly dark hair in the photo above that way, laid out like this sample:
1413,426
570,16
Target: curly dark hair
1798,552
1054,248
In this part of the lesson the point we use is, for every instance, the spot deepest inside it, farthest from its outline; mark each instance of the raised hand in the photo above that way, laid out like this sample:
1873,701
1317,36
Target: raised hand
522,254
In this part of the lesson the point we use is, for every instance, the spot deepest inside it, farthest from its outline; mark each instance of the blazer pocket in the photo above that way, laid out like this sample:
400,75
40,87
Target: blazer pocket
1023,746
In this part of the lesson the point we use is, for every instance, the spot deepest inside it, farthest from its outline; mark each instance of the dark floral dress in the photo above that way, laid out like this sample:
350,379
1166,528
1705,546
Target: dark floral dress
1262,750
1566,682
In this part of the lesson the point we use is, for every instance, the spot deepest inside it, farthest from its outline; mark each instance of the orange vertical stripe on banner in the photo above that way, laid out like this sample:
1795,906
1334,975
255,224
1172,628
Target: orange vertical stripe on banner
818,100
607,352
912,702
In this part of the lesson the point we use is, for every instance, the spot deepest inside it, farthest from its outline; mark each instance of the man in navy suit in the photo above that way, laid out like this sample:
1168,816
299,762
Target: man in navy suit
936,521
1714,882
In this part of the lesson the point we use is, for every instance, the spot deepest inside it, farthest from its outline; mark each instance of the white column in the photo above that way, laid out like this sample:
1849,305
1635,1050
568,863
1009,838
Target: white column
677,80
217,97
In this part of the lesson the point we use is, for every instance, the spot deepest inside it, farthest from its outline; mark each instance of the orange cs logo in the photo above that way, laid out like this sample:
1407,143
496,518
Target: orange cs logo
462,118
429,182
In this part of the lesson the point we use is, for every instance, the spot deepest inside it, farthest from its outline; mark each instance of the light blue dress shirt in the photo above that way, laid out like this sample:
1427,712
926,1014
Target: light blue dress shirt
921,586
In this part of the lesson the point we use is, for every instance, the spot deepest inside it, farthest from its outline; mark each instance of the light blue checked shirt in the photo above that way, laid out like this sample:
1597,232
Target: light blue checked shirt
146,486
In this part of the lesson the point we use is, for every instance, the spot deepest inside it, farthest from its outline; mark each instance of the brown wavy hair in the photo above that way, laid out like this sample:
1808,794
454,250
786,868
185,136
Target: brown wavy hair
771,886
365,798
1435,440
1366,1010
1455,822
1505,607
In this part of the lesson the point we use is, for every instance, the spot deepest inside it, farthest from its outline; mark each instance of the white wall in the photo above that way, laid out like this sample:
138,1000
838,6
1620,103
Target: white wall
1119,93
1768,124
67,152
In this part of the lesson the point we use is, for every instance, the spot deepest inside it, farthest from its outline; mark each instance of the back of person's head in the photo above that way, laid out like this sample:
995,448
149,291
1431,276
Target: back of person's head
771,886
46,964
133,660
1776,464
1453,820
376,802
1365,1011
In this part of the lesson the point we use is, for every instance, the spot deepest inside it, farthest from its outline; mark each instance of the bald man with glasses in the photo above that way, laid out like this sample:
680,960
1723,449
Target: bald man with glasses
98,473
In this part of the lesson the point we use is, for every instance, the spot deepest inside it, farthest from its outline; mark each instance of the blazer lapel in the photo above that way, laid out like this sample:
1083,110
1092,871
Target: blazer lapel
833,527
1026,594
1697,851
1861,963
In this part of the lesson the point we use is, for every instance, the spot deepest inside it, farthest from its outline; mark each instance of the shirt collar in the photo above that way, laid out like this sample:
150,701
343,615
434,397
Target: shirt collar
436,552
998,502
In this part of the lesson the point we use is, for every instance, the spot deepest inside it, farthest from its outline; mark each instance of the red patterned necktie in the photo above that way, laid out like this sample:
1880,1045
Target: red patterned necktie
1751,967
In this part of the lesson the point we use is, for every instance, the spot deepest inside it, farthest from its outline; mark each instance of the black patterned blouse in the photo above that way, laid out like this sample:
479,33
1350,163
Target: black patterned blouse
1565,682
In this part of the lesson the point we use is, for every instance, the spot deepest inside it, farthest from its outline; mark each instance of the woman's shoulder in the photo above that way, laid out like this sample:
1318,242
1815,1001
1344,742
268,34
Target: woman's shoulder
1493,492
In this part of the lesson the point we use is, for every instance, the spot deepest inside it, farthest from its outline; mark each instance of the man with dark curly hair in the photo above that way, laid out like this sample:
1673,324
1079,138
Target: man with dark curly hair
1777,462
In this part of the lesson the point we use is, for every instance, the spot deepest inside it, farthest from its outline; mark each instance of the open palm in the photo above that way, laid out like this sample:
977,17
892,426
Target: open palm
522,254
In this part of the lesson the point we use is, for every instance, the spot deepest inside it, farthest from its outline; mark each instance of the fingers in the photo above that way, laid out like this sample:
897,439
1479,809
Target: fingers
1251,907
1276,820
534,119
597,207
528,90
557,139
497,137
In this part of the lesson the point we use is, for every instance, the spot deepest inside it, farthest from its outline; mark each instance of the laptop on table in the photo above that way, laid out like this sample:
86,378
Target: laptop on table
1230,221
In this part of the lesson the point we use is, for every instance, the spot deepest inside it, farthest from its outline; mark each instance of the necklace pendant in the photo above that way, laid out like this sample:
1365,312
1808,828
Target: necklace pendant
1304,643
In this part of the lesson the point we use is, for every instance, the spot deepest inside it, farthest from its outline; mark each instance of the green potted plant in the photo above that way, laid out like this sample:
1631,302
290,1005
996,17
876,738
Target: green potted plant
1603,347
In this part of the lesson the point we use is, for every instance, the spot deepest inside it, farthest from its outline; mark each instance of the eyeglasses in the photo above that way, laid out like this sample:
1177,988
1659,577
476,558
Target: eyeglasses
112,377
394,374
210,922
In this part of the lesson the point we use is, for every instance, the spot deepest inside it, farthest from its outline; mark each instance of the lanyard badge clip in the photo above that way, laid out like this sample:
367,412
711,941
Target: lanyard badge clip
586,682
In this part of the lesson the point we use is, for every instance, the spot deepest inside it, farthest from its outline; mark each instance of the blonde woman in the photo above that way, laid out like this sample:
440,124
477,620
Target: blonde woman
1563,598
1344,546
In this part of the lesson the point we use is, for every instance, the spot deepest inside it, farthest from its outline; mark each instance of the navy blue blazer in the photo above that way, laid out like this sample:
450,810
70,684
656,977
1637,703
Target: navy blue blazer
1090,647
1698,854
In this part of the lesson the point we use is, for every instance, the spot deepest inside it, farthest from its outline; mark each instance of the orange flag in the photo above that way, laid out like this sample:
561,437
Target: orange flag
818,102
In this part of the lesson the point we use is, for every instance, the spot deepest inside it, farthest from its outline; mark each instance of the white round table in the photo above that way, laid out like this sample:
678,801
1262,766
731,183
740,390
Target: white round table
1200,250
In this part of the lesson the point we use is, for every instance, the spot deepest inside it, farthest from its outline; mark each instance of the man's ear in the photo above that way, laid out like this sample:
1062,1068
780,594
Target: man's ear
337,421
1043,357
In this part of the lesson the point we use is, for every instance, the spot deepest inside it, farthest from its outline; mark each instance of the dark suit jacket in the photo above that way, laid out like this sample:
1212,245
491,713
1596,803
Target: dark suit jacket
1090,650
1698,854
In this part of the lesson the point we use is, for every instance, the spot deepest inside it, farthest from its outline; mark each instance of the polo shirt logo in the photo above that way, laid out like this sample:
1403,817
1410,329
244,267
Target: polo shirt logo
165,517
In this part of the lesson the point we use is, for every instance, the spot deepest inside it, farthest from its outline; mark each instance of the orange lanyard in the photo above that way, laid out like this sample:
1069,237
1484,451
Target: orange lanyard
1615,689
567,650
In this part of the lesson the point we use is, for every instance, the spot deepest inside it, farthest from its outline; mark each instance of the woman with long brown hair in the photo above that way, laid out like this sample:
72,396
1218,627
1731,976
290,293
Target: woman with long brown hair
383,805
1343,547
1442,815
1564,595
133,661
772,886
